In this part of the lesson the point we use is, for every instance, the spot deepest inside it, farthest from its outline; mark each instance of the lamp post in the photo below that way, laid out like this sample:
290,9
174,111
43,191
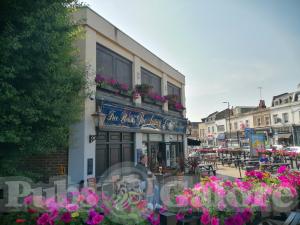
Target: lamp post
228,107
99,118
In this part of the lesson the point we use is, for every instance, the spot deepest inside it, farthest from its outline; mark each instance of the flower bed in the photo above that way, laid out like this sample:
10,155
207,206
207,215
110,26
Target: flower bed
85,207
237,202
214,201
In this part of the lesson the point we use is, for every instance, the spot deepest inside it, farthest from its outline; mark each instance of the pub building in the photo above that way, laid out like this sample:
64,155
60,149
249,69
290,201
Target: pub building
137,105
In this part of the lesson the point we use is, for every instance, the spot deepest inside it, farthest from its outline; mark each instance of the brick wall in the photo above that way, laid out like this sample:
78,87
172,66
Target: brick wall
48,165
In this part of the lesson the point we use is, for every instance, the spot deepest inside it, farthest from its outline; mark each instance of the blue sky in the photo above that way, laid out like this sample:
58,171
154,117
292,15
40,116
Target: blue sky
226,49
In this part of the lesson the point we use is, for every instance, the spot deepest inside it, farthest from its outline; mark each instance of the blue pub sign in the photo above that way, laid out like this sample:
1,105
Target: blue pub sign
136,118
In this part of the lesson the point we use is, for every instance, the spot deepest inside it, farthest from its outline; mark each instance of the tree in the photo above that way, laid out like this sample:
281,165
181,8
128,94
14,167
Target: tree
41,79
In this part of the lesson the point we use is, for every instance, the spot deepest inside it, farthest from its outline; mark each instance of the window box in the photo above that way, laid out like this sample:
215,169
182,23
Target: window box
111,89
172,107
149,100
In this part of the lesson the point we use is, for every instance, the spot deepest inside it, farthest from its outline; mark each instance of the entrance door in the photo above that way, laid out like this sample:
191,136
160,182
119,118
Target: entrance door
155,156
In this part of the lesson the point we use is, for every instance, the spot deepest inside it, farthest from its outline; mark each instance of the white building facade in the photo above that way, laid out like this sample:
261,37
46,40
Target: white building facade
285,118
133,123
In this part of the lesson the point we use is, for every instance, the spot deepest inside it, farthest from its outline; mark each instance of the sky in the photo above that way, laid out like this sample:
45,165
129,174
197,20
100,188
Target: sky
225,49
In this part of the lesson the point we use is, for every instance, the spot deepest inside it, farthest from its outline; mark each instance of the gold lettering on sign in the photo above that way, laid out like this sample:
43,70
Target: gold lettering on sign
127,118
112,117
140,119
155,122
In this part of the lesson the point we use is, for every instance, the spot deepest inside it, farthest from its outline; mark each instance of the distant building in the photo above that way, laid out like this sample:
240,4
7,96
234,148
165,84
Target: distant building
285,118
195,131
202,131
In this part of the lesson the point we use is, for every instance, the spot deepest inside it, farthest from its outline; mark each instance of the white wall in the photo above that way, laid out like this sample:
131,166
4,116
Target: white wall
292,110
80,149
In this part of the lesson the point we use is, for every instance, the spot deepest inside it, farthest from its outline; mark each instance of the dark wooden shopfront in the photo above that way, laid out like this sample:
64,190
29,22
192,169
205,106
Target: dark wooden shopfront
113,148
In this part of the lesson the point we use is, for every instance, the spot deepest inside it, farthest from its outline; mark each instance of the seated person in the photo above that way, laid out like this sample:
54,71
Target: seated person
263,159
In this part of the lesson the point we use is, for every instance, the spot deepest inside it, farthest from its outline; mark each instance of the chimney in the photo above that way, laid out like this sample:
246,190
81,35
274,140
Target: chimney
262,104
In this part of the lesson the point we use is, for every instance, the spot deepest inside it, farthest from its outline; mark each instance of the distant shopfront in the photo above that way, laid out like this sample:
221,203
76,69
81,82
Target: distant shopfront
130,132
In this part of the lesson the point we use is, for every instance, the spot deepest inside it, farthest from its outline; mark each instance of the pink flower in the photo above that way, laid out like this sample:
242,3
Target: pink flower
282,169
229,221
179,216
163,209
66,217
28,200
198,186
238,219
196,202
124,87
72,207
205,218
51,204
112,81
94,218
105,209
44,219
247,214
221,205
259,175
98,219
99,78
215,221
92,199
181,201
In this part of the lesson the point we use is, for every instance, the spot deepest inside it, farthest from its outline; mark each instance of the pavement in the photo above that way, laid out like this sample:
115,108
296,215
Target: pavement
229,172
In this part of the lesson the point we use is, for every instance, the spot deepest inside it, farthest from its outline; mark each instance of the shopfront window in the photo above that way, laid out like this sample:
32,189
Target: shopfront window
163,151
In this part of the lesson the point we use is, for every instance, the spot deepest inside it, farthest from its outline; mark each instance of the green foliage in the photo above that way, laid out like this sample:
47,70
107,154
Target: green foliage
41,80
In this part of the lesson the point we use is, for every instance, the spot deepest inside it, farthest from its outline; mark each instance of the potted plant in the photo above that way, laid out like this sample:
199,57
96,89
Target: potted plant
143,89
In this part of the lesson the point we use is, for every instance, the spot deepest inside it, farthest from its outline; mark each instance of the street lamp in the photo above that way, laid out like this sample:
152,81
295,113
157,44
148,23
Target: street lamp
99,118
228,106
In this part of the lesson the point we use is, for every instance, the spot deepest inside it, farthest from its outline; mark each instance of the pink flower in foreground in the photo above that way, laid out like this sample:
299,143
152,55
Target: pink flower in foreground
282,169
94,218
215,221
92,199
44,219
247,214
179,216
181,201
205,218
72,207
66,217
196,202
28,200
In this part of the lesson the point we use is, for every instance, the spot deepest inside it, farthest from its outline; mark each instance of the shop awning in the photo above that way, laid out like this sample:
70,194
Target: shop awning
284,136
192,142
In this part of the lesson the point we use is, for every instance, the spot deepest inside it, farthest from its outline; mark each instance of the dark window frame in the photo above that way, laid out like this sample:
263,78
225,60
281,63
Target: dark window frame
152,78
115,59
174,90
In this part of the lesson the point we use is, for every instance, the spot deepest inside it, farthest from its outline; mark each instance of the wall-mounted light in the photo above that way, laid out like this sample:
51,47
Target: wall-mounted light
98,118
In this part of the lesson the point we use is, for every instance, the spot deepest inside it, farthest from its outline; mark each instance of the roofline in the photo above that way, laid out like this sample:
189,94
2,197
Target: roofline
172,71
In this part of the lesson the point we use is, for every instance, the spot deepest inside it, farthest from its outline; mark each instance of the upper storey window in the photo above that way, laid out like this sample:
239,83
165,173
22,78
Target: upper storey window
173,90
113,66
152,80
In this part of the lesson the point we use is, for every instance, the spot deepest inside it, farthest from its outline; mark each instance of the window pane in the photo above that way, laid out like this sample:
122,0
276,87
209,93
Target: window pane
104,63
123,72
151,79
173,90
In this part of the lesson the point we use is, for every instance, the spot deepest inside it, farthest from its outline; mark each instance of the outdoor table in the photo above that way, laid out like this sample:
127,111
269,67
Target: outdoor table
206,168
